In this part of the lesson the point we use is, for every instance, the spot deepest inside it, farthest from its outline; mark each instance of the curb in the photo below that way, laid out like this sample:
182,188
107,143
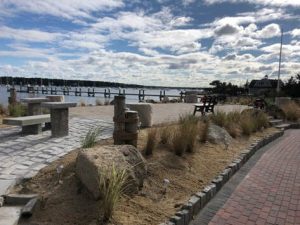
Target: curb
198,200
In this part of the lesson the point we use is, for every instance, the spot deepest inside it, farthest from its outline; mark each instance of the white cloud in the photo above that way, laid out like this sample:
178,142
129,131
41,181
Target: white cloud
187,2
279,3
69,9
28,35
269,31
295,32
227,29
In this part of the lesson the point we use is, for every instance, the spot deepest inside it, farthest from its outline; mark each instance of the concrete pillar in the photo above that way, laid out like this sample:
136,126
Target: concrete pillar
60,122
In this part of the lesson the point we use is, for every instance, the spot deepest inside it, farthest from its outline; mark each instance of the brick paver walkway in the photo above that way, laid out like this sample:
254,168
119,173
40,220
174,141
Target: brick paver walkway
24,156
266,191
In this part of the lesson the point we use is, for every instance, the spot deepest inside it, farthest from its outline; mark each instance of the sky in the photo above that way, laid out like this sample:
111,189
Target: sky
150,42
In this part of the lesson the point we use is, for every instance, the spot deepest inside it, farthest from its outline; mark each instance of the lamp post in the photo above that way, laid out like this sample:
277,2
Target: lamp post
279,65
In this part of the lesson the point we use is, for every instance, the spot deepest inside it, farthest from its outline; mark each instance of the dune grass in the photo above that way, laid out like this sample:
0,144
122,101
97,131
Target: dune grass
90,138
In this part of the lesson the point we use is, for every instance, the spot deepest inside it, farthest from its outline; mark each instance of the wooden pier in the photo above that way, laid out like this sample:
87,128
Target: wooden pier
90,92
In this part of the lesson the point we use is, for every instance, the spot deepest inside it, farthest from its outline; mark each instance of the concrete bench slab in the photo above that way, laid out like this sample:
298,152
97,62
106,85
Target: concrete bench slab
27,120
58,105
34,100
30,124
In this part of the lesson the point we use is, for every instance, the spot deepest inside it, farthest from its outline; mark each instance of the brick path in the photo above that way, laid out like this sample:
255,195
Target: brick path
266,191
24,156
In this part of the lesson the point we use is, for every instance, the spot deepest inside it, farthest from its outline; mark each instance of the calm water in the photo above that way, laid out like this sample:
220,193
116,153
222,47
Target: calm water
90,100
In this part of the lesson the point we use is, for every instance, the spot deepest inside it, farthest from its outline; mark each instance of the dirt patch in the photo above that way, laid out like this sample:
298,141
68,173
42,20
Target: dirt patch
69,204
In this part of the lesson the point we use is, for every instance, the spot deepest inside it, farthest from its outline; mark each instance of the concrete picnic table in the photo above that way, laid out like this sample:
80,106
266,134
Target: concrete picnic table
59,113
34,105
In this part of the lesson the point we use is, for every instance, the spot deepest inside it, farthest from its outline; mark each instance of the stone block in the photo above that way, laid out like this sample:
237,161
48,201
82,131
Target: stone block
177,220
18,199
196,204
203,199
218,181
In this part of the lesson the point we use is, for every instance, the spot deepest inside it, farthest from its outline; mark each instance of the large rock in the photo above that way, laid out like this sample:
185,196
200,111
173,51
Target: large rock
92,162
145,113
191,98
218,135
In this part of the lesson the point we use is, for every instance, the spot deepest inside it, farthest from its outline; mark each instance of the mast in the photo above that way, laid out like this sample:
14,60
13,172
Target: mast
279,65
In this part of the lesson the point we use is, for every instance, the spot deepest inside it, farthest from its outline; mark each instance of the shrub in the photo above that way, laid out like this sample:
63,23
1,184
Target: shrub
188,127
178,143
260,120
219,118
106,102
188,119
90,138
165,135
98,102
112,186
291,111
17,110
82,103
3,110
246,124
275,111
151,142
203,130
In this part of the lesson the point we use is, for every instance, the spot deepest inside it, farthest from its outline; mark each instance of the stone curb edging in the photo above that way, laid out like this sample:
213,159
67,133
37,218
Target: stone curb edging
198,200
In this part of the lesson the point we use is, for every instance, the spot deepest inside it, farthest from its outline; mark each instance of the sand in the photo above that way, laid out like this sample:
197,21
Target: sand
162,113
69,204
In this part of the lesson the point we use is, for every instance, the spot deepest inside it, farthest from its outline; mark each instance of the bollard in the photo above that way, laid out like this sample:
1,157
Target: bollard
131,127
119,118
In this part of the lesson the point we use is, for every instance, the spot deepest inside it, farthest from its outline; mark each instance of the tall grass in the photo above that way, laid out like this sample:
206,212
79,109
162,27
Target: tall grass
90,138
112,186
151,142
185,134
178,143
203,130
16,110
219,118
165,135
3,110
235,123
98,102
291,111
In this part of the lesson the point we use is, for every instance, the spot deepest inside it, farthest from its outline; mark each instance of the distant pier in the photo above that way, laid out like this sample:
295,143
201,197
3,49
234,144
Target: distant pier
91,92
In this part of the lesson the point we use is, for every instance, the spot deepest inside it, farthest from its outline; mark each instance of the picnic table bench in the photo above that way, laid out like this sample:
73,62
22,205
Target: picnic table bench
207,105
29,124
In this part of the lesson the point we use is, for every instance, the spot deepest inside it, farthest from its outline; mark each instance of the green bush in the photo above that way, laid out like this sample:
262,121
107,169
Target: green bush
17,110
112,185
90,138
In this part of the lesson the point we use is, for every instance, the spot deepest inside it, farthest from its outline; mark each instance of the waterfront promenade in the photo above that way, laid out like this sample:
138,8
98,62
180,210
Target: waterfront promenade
266,191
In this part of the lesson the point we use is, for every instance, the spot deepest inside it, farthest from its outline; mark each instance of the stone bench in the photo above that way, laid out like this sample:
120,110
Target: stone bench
144,111
29,124
59,113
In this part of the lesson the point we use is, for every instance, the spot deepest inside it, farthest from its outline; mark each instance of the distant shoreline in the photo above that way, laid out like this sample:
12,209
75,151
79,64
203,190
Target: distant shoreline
82,83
